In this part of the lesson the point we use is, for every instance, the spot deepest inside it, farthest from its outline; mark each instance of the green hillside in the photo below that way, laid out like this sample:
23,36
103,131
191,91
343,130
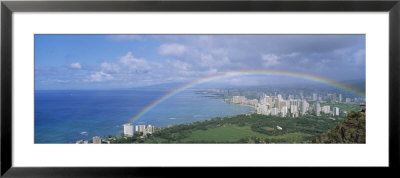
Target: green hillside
245,129
351,130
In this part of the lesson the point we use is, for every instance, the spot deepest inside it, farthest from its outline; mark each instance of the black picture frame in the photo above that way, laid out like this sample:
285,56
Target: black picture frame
8,7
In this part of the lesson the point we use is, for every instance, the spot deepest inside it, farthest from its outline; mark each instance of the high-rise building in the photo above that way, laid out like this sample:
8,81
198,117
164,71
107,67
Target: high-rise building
253,102
293,108
333,98
235,99
274,111
238,99
304,107
335,111
284,111
340,98
348,100
269,101
140,128
317,109
262,109
279,96
315,96
326,109
277,103
96,140
128,130
150,129
282,104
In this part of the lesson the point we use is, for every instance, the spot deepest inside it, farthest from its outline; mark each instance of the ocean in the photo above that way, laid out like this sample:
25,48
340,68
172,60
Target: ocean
68,116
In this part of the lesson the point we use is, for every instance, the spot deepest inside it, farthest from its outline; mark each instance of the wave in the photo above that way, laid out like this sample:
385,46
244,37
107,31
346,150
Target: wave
84,133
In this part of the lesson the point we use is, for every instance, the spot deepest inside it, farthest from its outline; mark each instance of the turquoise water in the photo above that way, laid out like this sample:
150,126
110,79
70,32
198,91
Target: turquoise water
68,116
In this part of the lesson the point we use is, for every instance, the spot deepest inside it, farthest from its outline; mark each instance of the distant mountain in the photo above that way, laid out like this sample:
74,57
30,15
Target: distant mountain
351,130
358,84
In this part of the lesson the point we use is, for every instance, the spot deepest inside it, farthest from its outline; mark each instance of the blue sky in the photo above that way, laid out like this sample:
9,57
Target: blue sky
128,61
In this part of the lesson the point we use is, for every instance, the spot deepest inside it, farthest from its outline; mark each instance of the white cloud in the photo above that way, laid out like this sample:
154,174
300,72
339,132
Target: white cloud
180,65
75,65
123,37
109,67
172,49
134,64
350,56
99,77
210,61
205,39
270,60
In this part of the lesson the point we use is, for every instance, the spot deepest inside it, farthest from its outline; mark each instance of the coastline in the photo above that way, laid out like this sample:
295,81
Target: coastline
240,104
248,123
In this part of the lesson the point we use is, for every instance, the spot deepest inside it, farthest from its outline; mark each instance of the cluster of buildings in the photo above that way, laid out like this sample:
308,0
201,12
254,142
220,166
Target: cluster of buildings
334,98
290,107
95,140
129,131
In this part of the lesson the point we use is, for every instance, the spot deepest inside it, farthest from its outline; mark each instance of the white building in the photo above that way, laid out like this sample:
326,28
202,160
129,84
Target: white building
150,129
317,109
284,111
314,96
140,128
274,111
238,99
293,108
279,96
304,106
296,114
96,140
335,111
252,102
277,103
326,109
262,109
82,142
128,130
279,128
348,100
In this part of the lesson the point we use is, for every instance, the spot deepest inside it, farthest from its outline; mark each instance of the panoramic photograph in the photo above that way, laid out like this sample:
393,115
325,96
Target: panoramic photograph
200,89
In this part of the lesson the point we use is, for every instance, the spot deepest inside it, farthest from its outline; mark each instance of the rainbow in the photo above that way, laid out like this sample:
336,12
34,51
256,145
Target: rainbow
243,73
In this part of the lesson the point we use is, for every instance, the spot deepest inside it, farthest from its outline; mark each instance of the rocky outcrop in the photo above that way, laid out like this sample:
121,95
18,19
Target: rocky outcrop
351,130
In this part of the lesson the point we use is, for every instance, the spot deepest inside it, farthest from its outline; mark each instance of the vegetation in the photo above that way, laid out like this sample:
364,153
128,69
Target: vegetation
255,128
252,128
351,130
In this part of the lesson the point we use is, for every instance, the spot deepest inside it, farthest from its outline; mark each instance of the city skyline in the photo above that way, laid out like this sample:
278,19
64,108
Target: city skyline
129,61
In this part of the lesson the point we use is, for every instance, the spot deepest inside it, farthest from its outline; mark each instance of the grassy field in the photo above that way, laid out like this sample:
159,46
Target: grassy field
232,133
252,128
222,134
